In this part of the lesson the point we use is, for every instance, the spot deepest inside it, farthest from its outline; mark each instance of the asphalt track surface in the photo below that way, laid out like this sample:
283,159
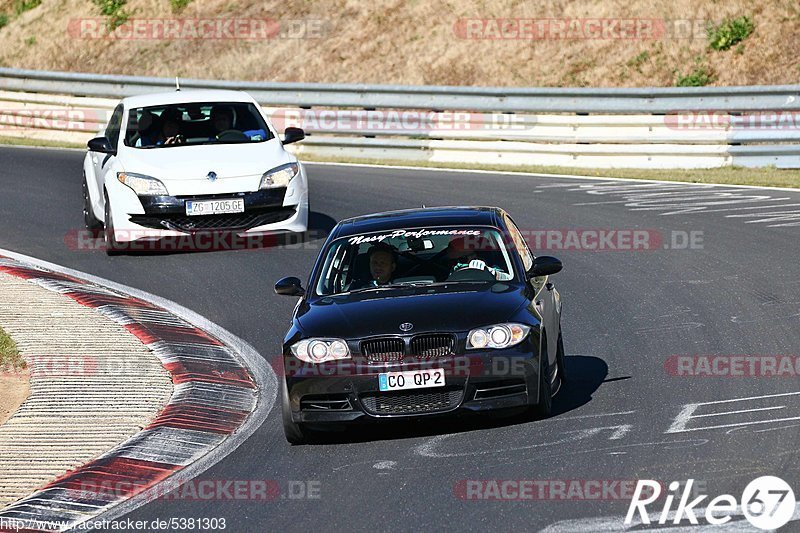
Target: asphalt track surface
625,314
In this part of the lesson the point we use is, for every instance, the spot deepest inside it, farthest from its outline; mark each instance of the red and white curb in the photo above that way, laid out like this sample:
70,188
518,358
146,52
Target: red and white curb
223,391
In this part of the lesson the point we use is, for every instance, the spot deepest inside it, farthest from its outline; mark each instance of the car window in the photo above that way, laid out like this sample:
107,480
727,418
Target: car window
417,256
194,124
520,244
114,126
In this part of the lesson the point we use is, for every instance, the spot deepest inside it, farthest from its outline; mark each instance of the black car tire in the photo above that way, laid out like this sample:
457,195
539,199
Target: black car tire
294,432
89,220
112,247
545,405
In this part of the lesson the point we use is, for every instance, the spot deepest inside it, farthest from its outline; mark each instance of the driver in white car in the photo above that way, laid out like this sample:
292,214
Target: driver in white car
222,119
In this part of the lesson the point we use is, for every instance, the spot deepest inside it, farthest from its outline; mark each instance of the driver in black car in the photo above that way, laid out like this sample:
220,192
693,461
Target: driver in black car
382,264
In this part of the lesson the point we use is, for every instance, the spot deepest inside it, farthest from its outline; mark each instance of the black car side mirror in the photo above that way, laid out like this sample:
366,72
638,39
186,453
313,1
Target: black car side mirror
101,145
292,135
290,286
544,265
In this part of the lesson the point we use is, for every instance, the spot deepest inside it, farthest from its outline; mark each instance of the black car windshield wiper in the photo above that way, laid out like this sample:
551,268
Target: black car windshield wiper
405,285
387,286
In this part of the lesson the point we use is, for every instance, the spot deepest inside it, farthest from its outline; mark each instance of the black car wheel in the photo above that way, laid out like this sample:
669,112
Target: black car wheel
112,247
89,220
295,433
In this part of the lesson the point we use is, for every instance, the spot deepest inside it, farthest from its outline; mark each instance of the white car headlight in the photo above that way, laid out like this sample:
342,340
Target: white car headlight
142,185
498,336
320,350
279,176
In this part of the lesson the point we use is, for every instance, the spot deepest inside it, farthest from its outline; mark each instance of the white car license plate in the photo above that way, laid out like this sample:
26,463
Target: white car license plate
413,379
215,207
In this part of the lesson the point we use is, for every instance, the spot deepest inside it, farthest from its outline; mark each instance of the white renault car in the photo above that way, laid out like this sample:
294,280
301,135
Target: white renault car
185,163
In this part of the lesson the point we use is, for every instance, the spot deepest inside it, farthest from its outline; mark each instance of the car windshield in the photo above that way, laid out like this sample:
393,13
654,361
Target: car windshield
194,124
420,256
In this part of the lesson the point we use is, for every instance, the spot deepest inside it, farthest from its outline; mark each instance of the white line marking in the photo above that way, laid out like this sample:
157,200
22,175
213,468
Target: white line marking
740,411
739,424
780,395
632,181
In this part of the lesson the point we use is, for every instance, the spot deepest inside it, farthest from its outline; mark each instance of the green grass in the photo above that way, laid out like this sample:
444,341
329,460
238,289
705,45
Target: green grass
699,77
3,20
641,58
729,33
115,11
178,5
9,355
763,177
21,6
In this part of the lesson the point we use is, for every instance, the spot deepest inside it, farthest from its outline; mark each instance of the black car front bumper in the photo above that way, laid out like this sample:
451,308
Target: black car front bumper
349,391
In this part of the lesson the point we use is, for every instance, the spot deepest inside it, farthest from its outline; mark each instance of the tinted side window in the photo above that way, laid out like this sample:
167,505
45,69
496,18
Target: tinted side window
114,125
520,244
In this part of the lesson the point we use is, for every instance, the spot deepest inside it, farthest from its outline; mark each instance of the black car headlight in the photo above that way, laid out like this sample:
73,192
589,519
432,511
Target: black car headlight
320,350
498,336
279,176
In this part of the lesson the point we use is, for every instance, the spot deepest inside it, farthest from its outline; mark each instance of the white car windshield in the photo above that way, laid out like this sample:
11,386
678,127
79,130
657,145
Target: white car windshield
194,124
419,256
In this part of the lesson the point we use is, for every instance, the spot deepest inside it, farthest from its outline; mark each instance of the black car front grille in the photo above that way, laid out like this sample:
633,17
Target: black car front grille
383,350
422,347
228,222
433,346
411,402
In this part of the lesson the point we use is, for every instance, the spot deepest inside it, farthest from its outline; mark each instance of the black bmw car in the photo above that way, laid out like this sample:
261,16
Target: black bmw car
421,312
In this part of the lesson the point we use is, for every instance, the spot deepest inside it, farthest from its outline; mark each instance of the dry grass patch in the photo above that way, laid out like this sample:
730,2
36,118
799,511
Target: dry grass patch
415,42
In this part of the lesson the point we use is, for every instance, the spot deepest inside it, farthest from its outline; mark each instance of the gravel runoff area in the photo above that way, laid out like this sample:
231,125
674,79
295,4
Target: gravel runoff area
93,385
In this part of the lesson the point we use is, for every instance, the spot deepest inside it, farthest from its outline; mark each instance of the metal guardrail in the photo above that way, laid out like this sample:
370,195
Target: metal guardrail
600,128
488,99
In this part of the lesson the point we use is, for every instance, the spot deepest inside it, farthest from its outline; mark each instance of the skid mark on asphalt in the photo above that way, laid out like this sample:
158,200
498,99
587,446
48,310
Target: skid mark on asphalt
669,328
774,210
